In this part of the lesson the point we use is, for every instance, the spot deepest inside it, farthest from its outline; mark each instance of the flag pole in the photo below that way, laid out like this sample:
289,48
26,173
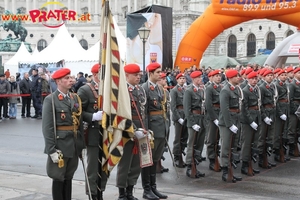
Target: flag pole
101,74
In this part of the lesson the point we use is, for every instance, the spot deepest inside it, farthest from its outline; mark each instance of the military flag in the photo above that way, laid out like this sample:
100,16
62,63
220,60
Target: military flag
114,97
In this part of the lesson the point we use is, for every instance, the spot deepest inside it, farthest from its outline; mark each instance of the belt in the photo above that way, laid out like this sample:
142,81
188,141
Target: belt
283,100
216,105
253,107
179,107
236,110
157,112
135,117
66,128
269,106
196,112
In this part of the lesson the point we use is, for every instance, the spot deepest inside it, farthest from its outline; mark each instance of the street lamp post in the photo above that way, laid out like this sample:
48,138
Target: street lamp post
144,34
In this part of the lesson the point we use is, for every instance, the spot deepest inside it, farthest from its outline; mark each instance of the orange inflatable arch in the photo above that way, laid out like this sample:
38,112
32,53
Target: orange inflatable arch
223,14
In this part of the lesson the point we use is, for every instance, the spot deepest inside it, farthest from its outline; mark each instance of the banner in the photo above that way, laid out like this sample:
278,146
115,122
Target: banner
167,33
153,44
262,8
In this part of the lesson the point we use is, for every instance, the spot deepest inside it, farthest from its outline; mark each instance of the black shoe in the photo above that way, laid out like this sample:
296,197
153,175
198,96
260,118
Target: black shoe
122,194
129,194
277,158
28,116
273,164
22,116
287,158
178,164
244,168
212,165
256,171
158,194
148,194
225,175
35,116
237,178
189,172
260,164
39,117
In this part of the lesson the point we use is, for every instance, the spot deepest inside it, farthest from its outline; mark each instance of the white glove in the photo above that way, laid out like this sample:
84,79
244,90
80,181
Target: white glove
196,127
268,120
233,129
54,156
139,134
254,125
283,117
216,122
97,116
180,121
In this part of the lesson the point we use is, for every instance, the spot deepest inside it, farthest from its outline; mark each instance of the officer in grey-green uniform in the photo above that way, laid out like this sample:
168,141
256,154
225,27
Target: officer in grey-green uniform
129,169
63,136
91,117
251,120
212,104
282,114
156,120
230,103
178,116
194,110
294,97
268,111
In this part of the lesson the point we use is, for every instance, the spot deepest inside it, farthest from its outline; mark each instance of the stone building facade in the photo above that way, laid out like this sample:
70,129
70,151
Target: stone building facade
241,41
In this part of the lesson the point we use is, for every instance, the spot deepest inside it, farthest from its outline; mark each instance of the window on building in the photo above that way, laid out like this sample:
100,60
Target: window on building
42,44
231,46
251,45
290,32
271,41
84,44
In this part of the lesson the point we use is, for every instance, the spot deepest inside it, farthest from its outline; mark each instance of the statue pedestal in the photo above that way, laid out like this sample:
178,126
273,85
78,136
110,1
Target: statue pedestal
10,45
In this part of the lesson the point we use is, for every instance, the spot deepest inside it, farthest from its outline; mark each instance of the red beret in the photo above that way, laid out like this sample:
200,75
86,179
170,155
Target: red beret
152,67
180,75
61,73
297,70
132,68
248,70
267,71
231,73
215,72
95,68
163,75
195,74
258,72
262,71
281,71
243,71
277,70
289,69
209,74
252,75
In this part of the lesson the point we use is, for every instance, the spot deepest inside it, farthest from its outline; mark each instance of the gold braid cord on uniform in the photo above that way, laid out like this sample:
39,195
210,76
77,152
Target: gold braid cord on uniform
76,115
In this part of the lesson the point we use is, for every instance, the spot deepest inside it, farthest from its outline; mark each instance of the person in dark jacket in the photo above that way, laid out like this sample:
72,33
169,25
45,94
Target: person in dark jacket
25,90
80,81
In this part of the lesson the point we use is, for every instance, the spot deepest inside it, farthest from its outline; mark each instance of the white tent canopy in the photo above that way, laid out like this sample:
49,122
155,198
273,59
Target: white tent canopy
63,46
13,63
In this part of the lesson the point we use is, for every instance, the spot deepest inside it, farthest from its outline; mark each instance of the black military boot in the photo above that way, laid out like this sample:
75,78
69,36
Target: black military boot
57,190
153,183
179,162
244,169
122,194
189,172
225,173
147,194
212,164
129,193
67,191
261,160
